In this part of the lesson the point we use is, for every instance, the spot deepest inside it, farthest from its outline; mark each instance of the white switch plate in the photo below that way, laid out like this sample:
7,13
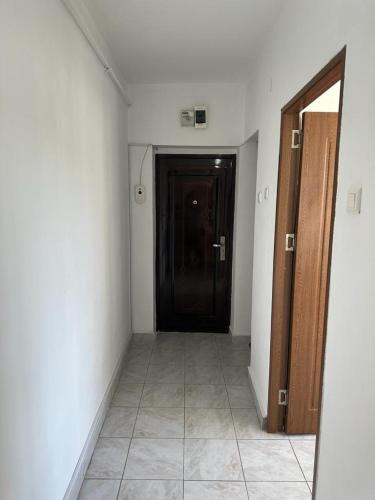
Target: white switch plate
353,203
140,193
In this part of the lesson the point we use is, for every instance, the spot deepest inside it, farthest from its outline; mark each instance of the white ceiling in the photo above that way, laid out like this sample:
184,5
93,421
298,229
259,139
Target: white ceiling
155,41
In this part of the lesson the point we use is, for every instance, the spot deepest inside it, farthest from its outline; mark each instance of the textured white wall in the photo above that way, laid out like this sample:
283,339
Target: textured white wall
64,236
306,36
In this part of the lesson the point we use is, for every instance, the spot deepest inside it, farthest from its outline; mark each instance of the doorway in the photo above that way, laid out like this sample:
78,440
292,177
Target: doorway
194,234
307,181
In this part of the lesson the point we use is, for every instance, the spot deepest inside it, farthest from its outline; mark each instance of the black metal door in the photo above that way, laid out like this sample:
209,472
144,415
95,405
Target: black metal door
194,201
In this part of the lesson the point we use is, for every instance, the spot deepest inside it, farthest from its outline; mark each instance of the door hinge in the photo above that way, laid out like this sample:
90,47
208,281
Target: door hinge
283,397
290,241
296,138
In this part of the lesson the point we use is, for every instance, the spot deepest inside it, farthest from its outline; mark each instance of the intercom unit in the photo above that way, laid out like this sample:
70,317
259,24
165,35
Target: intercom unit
200,115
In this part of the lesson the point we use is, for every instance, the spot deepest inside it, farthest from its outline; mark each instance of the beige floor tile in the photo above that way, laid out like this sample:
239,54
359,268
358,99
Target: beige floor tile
236,375
215,490
108,459
269,460
305,451
168,373
205,375
209,423
155,459
206,396
160,423
247,426
163,396
212,459
119,422
151,490
279,491
99,489
127,395
240,396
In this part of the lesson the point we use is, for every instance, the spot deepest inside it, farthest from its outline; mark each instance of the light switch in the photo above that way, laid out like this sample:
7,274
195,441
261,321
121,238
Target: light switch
353,204
351,201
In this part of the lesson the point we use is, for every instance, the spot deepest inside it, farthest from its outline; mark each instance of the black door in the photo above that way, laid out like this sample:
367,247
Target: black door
194,207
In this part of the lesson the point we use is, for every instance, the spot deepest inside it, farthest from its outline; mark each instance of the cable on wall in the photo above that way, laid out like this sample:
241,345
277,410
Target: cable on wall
86,24
142,163
140,189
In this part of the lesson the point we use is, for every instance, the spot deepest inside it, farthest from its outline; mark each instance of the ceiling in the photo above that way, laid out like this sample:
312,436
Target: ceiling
158,41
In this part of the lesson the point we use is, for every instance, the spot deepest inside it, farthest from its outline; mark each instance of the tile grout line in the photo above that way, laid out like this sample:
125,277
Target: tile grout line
135,423
158,383
235,433
103,437
236,439
300,466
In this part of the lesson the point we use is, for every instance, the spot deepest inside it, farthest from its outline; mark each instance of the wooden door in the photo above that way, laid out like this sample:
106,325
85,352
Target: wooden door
310,289
286,210
194,200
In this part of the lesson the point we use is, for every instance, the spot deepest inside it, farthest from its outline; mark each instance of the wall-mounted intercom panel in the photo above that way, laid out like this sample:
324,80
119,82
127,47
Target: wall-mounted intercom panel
196,117
200,113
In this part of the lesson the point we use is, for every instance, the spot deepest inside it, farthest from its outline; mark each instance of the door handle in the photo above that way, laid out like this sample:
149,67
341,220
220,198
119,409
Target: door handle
221,245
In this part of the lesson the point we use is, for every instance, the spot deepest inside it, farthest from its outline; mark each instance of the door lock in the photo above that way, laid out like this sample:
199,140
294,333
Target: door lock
221,245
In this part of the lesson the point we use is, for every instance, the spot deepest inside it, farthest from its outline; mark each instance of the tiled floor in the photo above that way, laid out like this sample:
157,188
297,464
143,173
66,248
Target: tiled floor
182,425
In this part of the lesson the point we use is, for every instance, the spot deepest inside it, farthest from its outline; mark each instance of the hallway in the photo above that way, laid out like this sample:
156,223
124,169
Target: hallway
183,425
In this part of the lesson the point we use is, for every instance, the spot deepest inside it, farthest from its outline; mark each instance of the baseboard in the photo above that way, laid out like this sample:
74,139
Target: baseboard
261,418
79,473
143,333
238,334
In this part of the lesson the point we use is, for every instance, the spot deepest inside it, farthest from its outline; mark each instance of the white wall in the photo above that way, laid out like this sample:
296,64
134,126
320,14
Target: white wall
142,243
155,114
327,102
64,268
304,39
154,118
244,238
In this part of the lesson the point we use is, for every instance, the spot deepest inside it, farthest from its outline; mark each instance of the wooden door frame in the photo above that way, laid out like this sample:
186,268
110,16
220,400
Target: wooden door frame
287,199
